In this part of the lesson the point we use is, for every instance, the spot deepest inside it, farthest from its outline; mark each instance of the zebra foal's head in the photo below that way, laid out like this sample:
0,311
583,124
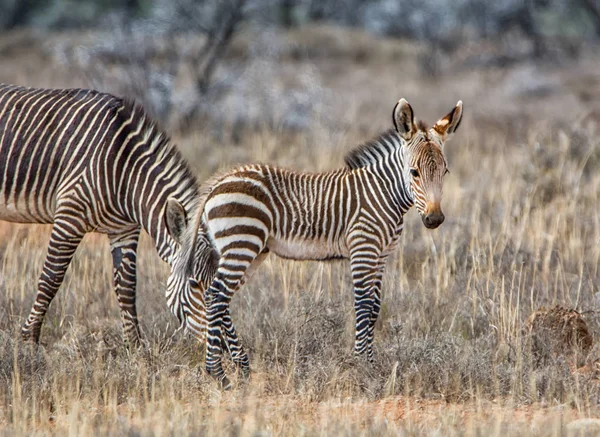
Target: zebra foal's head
425,164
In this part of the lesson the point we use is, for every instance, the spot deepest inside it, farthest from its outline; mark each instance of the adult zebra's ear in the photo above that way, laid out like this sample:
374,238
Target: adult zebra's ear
176,219
448,125
404,119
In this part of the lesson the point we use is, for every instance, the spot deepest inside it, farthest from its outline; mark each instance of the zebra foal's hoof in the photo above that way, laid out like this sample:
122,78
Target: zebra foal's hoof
242,369
222,380
135,344
245,372
30,337
363,358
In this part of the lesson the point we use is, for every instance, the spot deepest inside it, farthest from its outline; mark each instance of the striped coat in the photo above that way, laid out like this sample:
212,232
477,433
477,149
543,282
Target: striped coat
353,213
86,161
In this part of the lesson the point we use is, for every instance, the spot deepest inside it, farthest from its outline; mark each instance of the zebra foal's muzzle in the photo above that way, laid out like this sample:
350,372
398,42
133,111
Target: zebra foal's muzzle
432,221
433,216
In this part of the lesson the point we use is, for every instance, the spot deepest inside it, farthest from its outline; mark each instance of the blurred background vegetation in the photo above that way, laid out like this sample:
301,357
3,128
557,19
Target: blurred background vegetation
165,53
437,21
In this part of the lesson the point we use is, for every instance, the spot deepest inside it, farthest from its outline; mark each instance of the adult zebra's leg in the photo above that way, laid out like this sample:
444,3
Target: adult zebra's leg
363,265
64,239
376,294
123,248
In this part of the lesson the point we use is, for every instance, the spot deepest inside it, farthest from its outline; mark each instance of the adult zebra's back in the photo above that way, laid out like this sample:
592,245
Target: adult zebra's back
88,161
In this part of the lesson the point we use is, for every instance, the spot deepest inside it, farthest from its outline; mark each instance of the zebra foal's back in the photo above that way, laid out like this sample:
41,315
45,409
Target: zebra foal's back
294,215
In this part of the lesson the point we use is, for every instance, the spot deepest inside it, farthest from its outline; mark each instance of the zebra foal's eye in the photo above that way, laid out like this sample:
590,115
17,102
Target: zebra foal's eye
414,172
447,171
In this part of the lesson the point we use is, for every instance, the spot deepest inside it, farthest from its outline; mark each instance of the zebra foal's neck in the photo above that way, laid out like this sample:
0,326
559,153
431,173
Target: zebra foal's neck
382,159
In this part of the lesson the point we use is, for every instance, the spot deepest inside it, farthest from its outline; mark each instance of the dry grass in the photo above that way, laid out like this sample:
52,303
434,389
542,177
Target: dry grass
522,231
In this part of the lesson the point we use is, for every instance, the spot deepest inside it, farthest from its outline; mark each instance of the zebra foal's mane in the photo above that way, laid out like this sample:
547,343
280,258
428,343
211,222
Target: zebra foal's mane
376,150
372,151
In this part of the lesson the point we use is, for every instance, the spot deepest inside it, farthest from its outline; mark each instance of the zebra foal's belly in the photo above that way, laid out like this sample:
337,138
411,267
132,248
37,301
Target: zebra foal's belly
305,249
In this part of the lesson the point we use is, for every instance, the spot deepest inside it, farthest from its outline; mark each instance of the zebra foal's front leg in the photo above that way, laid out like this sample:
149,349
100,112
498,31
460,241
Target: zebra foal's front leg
376,296
363,265
123,248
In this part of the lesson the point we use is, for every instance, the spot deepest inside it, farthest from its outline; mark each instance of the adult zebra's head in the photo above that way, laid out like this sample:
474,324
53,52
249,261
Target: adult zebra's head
424,161
193,266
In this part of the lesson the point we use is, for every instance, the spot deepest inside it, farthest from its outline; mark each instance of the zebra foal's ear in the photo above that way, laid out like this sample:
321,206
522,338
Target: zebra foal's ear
448,125
404,119
176,219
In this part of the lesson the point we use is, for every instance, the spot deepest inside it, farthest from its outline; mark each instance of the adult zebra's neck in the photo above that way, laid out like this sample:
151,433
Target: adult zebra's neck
153,172
176,182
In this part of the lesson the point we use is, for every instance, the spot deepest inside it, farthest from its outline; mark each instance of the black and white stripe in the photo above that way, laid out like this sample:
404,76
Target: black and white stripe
88,161
354,213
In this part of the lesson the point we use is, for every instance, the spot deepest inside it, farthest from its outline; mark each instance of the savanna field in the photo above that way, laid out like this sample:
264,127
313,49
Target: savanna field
453,355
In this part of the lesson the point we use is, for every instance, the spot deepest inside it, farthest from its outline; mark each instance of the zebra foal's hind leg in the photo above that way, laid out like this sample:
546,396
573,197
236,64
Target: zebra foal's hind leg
64,239
234,344
229,278
123,248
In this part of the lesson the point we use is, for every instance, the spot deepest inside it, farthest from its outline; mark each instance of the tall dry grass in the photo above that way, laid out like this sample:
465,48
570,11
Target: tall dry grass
522,231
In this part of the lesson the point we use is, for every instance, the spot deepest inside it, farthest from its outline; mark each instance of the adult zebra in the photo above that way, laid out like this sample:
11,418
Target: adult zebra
354,213
88,161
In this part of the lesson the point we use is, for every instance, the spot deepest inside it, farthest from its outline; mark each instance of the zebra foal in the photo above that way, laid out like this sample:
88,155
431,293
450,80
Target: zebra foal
88,161
354,213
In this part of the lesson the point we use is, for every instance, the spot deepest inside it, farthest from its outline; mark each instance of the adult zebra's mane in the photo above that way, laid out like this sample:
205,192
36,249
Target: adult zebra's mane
157,139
